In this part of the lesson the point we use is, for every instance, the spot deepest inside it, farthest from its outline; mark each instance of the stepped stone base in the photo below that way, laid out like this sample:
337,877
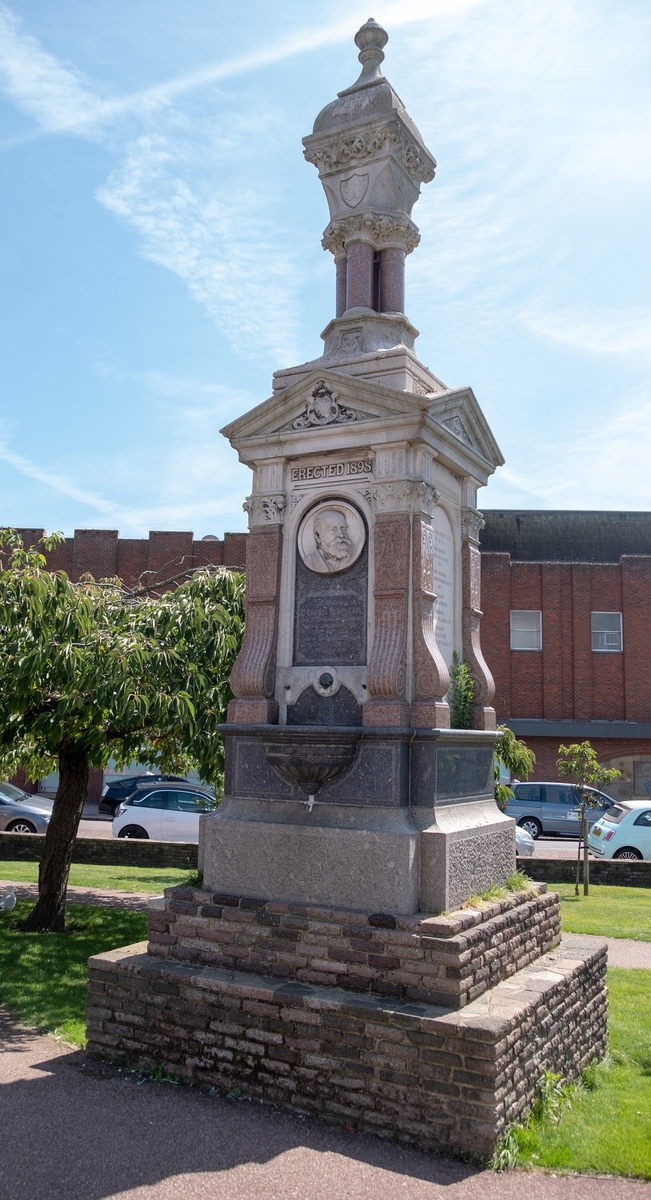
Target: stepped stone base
438,960
446,1076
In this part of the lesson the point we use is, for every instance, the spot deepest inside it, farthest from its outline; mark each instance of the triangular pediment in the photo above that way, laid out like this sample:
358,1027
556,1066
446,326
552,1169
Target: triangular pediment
324,403
459,414
322,399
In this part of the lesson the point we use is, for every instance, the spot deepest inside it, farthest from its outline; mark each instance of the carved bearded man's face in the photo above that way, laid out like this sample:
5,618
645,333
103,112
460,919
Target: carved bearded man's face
331,535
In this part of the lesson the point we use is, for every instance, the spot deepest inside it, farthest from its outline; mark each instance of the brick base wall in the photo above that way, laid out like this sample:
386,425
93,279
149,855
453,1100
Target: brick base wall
438,960
417,1073
604,871
118,852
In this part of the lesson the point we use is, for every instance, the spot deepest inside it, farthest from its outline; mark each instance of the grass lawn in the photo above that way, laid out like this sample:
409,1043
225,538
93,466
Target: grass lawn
607,1129
607,911
125,879
43,975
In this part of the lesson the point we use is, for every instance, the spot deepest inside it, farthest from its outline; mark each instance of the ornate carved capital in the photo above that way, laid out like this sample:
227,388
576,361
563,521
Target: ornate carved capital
267,509
382,229
472,523
338,151
402,495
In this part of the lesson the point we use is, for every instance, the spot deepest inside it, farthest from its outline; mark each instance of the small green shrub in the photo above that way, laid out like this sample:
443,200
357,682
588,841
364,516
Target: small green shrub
461,694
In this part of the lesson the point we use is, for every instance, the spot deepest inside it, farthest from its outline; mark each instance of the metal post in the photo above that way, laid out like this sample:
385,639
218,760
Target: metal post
586,860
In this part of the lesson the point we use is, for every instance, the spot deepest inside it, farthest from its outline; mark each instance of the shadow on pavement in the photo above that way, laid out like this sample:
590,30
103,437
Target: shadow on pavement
74,1128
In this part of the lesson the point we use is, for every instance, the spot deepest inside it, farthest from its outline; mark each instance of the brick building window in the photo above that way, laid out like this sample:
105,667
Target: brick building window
526,629
606,631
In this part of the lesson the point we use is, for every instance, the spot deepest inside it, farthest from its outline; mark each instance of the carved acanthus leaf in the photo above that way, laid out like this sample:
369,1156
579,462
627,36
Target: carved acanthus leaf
335,151
383,229
402,494
262,509
472,523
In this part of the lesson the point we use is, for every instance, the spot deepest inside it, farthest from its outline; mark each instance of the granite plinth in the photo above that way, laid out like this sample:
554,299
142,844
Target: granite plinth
411,826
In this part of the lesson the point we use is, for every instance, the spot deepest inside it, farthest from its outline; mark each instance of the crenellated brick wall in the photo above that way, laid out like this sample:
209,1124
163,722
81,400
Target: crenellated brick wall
156,559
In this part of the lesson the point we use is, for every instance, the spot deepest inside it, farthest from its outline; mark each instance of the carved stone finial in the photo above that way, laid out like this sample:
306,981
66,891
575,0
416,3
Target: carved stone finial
371,40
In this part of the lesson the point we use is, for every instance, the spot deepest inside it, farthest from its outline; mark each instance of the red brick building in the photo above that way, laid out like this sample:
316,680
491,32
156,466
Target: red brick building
566,632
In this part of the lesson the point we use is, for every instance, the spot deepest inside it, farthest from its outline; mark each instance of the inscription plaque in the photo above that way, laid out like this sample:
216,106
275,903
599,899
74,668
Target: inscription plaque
444,583
330,615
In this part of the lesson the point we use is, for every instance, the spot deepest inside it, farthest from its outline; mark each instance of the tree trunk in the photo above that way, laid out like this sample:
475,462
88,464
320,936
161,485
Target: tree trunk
54,868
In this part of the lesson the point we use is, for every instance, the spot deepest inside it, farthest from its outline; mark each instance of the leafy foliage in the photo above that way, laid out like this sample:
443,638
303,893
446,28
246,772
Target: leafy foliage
461,694
90,670
579,763
117,673
515,755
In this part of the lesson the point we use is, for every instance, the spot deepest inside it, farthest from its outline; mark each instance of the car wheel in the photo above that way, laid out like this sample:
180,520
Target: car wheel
21,826
531,826
628,854
134,831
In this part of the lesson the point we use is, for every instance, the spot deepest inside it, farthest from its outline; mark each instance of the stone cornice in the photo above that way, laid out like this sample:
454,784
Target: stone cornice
380,229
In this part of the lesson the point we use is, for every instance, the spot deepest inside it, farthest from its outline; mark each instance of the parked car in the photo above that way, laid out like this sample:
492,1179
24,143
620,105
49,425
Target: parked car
552,807
163,812
623,832
27,814
116,792
524,843
11,792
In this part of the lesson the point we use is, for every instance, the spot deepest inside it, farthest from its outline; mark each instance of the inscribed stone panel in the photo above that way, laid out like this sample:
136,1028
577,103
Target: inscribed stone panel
330,615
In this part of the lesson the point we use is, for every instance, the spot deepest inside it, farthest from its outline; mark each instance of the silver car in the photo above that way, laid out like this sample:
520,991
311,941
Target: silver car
22,813
551,808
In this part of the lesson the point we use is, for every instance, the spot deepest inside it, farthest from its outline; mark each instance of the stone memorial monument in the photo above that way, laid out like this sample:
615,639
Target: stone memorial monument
326,961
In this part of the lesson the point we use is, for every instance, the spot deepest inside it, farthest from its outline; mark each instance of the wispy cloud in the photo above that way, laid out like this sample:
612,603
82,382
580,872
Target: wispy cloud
228,254
608,333
56,96
605,466
61,100
59,483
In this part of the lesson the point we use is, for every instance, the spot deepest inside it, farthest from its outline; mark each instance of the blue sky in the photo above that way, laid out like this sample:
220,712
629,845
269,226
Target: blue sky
161,241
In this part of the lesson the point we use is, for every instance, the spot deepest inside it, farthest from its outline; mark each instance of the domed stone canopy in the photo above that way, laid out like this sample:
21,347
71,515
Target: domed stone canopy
371,94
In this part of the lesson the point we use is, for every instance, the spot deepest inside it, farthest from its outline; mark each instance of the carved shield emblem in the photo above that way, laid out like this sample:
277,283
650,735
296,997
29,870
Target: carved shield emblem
354,189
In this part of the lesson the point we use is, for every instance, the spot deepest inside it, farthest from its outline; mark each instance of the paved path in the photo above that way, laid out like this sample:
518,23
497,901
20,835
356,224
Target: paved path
76,1129
81,895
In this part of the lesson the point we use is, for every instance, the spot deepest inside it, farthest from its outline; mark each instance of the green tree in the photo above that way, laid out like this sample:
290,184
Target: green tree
579,763
461,694
90,670
516,756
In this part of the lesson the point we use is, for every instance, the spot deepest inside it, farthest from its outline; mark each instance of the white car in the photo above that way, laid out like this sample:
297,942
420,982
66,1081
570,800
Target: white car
524,843
623,832
163,812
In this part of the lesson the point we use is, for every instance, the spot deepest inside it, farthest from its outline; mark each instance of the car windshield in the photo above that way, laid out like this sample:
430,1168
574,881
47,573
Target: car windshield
615,814
13,793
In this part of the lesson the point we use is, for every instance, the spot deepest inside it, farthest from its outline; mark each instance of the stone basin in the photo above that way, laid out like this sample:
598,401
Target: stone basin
310,756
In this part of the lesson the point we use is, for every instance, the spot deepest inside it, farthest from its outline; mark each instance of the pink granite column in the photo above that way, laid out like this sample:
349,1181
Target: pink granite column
341,268
392,280
359,275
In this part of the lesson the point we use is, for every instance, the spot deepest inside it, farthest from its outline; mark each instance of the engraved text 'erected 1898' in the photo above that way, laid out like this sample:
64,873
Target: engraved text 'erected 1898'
357,466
